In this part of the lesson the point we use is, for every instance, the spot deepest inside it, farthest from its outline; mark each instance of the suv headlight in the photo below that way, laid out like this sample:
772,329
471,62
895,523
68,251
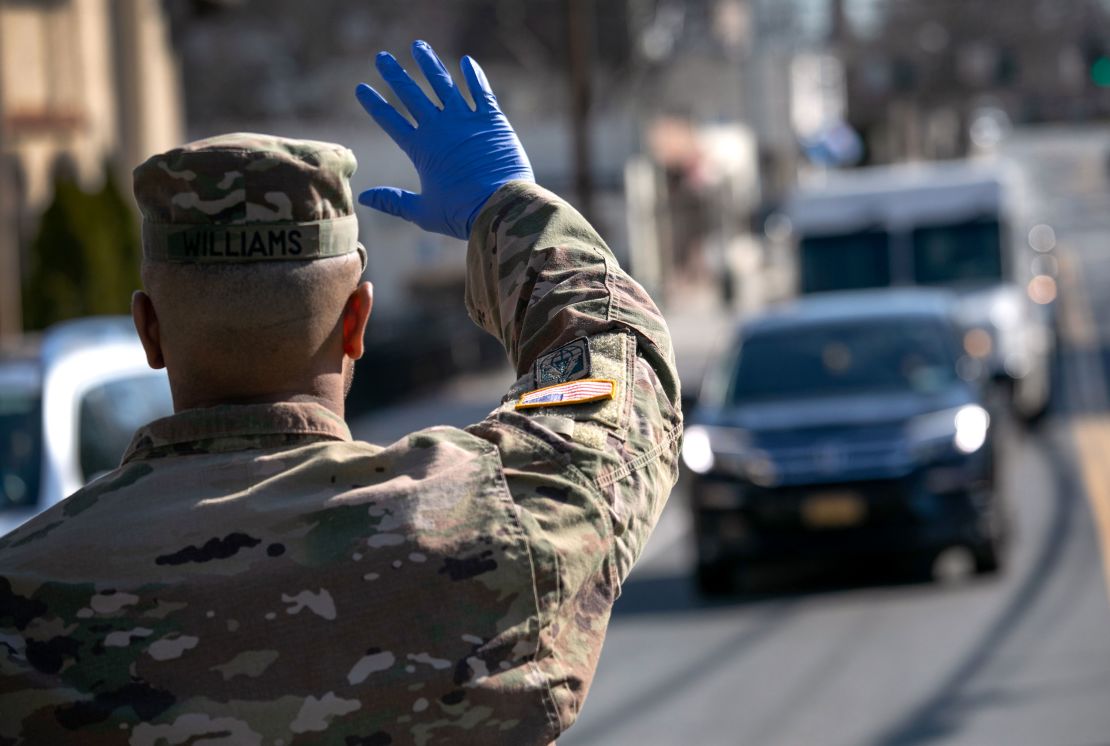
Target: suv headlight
697,450
964,428
972,424
703,447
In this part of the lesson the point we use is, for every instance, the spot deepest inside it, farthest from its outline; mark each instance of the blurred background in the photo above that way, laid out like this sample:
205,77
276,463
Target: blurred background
877,229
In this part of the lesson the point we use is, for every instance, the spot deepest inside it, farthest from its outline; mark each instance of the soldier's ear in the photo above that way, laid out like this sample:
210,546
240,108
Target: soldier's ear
355,315
146,324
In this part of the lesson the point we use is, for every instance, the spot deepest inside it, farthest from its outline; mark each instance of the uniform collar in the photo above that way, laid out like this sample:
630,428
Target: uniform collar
236,427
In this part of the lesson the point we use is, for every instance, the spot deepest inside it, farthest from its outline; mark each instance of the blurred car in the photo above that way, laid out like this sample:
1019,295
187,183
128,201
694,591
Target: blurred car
839,426
69,405
959,225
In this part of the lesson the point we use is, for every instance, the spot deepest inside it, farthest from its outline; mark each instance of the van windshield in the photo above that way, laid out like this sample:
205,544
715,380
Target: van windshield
846,261
958,253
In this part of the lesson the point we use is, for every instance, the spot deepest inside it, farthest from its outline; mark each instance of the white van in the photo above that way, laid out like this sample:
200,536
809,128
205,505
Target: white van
957,224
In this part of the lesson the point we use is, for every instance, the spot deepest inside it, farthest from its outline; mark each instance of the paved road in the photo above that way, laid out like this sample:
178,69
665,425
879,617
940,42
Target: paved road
1023,659
1020,659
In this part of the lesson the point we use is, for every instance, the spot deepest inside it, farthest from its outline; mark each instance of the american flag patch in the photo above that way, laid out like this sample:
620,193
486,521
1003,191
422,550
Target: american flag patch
573,392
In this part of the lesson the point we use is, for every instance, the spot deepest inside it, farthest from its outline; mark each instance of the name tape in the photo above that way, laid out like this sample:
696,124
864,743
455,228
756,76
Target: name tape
171,242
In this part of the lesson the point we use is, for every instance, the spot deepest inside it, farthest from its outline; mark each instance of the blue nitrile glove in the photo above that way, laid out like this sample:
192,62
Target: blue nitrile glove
461,155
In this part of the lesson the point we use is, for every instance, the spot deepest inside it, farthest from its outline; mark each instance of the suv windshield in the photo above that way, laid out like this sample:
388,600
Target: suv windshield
837,359
963,252
112,412
845,262
20,447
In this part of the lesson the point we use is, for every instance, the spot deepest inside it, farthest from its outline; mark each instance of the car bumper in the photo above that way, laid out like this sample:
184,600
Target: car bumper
846,519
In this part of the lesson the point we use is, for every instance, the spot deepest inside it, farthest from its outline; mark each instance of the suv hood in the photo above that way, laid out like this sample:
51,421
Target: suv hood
838,439
855,411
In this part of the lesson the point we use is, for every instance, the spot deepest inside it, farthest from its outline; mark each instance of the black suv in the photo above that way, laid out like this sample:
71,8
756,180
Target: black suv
840,425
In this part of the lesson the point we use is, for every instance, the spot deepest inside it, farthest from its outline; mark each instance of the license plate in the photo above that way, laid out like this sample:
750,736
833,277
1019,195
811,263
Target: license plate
834,510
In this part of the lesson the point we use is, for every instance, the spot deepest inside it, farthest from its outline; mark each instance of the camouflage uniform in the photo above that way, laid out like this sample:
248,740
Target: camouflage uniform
251,575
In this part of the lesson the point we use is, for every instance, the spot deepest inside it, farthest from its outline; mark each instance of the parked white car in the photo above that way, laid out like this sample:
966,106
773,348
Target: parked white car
68,409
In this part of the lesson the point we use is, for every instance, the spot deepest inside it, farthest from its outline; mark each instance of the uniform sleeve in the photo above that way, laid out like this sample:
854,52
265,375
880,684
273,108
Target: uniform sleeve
591,479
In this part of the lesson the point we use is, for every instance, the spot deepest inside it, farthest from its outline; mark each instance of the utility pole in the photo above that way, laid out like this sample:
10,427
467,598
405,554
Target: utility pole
580,36
838,25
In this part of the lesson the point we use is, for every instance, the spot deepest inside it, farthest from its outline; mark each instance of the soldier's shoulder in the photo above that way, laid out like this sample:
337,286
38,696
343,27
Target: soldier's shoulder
52,518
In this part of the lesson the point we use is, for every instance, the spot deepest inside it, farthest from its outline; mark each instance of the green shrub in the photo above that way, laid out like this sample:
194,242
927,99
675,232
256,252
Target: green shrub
85,258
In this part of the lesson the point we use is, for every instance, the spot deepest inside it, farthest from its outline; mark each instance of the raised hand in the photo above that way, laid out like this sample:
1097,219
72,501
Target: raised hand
461,155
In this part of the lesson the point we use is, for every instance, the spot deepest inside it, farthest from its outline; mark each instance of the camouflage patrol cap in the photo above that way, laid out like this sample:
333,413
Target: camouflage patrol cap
246,197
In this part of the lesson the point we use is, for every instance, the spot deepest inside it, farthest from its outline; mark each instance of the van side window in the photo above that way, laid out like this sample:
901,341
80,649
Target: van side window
109,415
20,448
957,253
845,261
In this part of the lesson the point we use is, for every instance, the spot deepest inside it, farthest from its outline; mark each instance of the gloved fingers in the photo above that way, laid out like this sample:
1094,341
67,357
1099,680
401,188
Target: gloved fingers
392,201
388,118
437,75
405,87
478,84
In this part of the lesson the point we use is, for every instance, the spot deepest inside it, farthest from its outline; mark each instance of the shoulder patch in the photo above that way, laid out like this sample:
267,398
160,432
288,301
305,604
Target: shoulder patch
582,391
568,363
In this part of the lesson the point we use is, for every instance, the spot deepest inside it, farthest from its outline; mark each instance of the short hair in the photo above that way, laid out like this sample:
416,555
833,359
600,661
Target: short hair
222,324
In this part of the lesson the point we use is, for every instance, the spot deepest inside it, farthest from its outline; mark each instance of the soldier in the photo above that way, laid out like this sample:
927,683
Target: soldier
249,575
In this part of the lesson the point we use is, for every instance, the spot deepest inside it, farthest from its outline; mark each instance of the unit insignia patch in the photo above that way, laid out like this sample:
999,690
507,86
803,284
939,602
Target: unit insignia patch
568,363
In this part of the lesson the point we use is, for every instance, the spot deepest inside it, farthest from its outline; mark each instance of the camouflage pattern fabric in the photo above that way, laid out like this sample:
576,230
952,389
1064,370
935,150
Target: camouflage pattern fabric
250,575
248,197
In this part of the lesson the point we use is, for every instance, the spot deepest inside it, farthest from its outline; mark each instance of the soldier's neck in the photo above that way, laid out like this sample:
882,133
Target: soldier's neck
327,391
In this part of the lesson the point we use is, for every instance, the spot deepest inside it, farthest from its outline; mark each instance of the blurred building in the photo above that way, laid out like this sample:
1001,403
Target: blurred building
84,85
711,64
938,79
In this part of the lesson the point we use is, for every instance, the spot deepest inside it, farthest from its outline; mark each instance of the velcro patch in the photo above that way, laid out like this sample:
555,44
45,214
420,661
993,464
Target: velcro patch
582,391
568,363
